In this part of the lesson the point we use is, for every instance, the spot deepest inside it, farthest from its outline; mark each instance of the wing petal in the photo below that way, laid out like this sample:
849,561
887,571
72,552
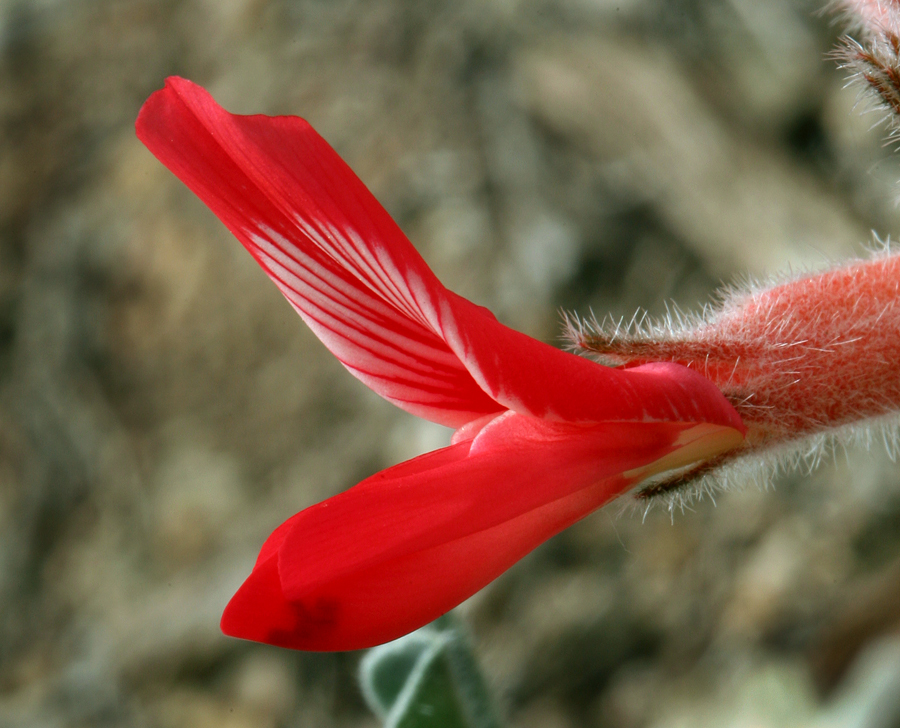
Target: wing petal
412,542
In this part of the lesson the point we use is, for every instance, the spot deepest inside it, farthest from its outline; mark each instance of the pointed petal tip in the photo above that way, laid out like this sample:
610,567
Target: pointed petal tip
257,605
259,612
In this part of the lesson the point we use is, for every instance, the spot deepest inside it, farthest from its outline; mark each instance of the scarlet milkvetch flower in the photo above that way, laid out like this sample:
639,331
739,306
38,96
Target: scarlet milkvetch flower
543,437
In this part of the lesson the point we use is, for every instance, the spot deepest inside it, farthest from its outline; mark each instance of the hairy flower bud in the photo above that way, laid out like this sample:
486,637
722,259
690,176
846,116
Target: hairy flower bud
874,57
802,358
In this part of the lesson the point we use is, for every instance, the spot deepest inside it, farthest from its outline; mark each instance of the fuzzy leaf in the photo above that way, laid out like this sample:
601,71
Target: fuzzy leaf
428,679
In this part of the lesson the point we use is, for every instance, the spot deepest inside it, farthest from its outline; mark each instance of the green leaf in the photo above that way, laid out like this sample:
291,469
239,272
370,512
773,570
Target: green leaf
428,679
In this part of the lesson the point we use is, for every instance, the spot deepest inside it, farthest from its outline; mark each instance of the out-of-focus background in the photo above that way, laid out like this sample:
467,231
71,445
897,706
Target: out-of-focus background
162,409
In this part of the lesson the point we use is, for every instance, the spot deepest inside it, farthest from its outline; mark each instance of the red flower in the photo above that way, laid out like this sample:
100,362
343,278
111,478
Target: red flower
543,437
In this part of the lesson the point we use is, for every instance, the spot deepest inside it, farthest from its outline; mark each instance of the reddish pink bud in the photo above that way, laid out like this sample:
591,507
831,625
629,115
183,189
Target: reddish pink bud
806,357
871,16
874,57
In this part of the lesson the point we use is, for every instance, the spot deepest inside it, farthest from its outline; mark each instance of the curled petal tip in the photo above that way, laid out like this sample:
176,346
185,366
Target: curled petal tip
357,281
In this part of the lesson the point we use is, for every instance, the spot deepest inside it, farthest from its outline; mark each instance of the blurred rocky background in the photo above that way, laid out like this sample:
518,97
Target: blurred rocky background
162,409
